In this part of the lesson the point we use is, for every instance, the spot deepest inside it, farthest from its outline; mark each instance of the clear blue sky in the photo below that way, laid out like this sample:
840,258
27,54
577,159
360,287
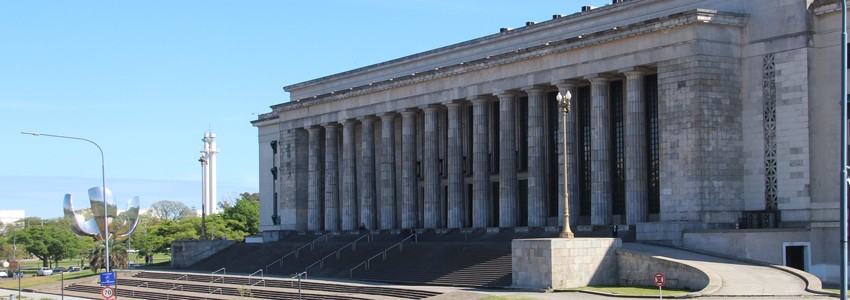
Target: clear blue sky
146,79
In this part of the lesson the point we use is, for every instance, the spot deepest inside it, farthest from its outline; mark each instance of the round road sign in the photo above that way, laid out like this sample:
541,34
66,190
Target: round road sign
659,279
107,292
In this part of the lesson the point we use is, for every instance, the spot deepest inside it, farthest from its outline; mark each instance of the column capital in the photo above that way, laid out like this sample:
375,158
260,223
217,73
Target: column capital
348,122
408,111
534,88
368,118
453,103
634,71
330,125
567,83
503,94
598,77
430,107
480,99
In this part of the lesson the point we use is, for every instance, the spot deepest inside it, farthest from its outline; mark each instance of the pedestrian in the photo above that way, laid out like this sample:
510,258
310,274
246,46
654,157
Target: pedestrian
615,230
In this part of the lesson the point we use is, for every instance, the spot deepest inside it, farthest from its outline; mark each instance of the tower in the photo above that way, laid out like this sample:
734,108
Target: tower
208,154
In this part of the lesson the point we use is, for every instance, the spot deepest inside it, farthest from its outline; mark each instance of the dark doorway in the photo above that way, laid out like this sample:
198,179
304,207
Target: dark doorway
795,257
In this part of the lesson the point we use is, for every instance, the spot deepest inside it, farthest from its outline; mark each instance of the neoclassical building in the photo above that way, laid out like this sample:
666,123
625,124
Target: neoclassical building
710,124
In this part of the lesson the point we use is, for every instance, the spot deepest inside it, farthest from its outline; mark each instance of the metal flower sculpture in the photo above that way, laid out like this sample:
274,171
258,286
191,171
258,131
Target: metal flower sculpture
119,225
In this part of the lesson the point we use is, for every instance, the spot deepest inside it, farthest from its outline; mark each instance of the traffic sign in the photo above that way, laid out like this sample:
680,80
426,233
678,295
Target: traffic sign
107,292
659,280
107,278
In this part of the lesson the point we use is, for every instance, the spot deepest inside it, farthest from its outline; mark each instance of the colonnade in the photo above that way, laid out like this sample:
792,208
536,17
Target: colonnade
490,160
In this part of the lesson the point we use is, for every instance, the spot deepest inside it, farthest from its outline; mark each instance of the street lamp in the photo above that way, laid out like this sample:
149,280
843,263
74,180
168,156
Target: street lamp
203,161
103,191
564,104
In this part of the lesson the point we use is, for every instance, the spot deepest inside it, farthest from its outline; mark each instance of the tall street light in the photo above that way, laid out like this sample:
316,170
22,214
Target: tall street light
103,187
843,197
203,161
564,104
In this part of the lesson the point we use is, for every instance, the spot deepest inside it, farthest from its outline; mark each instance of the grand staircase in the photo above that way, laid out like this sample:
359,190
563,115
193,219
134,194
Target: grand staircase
478,258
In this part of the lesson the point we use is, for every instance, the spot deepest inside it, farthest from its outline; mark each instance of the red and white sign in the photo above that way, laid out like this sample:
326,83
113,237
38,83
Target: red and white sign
659,279
107,292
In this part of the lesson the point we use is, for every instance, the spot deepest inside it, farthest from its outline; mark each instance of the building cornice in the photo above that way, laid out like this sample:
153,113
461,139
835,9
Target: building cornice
695,16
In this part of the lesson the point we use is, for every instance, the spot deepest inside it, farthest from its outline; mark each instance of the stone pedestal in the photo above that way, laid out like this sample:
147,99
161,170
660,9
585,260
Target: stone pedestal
564,263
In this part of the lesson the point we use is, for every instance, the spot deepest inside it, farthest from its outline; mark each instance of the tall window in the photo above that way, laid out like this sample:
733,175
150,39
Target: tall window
583,103
651,90
619,165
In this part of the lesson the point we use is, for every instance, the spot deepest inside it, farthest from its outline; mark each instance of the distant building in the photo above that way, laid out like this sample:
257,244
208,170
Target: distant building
11,216
708,124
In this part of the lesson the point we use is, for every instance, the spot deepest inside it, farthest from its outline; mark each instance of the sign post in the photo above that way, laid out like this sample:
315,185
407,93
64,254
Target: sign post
659,282
107,292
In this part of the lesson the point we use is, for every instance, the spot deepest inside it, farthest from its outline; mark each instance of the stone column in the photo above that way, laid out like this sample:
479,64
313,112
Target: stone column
637,186
507,160
480,165
572,154
537,191
431,164
367,172
388,177
456,210
600,156
409,182
315,186
348,199
331,177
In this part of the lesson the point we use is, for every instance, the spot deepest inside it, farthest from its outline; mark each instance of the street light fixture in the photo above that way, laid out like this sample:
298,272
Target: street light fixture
203,161
564,104
103,191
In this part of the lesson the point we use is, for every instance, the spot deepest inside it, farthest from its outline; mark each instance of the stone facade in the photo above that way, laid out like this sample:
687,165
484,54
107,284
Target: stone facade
707,115
564,263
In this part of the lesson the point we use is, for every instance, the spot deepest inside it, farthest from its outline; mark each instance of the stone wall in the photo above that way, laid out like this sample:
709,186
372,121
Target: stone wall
564,263
635,269
186,253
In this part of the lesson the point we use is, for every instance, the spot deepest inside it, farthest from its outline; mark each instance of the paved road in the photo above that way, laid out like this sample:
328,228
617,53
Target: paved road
738,279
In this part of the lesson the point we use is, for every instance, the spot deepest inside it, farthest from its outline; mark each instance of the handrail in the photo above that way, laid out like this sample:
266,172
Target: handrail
143,283
184,276
168,296
223,270
368,262
216,290
353,245
295,252
262,278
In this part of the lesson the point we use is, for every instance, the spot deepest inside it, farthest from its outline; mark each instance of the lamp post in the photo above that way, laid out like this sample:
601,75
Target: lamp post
564,104
103,187
203,161
843,197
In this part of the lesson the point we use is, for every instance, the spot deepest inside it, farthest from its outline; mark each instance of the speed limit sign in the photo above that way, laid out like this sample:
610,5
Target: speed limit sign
107,292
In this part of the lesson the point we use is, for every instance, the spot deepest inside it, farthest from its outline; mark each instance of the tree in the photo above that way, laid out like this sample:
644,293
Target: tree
117,256
50,242
244,215
168,210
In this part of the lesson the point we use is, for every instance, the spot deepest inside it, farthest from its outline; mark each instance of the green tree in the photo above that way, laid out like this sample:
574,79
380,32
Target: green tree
244,215
117,256
168,210
50,242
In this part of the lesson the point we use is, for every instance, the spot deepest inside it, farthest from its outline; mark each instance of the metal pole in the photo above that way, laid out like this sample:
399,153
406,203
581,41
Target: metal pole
203,161
103,191
564,103
843,204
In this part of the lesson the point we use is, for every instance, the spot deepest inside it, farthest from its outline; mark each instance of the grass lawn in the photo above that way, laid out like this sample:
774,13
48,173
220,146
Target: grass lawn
628,290
30,281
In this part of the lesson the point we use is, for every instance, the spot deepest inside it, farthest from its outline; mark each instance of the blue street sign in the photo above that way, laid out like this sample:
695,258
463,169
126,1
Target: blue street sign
107,278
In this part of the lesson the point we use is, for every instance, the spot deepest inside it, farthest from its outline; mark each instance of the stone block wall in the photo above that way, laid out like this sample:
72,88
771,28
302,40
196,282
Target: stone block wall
701,141
564,263
187,253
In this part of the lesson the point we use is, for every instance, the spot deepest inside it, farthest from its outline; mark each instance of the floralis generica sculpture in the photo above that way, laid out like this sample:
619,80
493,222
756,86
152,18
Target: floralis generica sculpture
118,227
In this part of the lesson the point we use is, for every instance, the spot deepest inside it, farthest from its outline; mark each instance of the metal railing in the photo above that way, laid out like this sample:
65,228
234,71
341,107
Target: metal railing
353,245
368,262
216,290
168,296
295,252
262,278
222,270
134,291
186,276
